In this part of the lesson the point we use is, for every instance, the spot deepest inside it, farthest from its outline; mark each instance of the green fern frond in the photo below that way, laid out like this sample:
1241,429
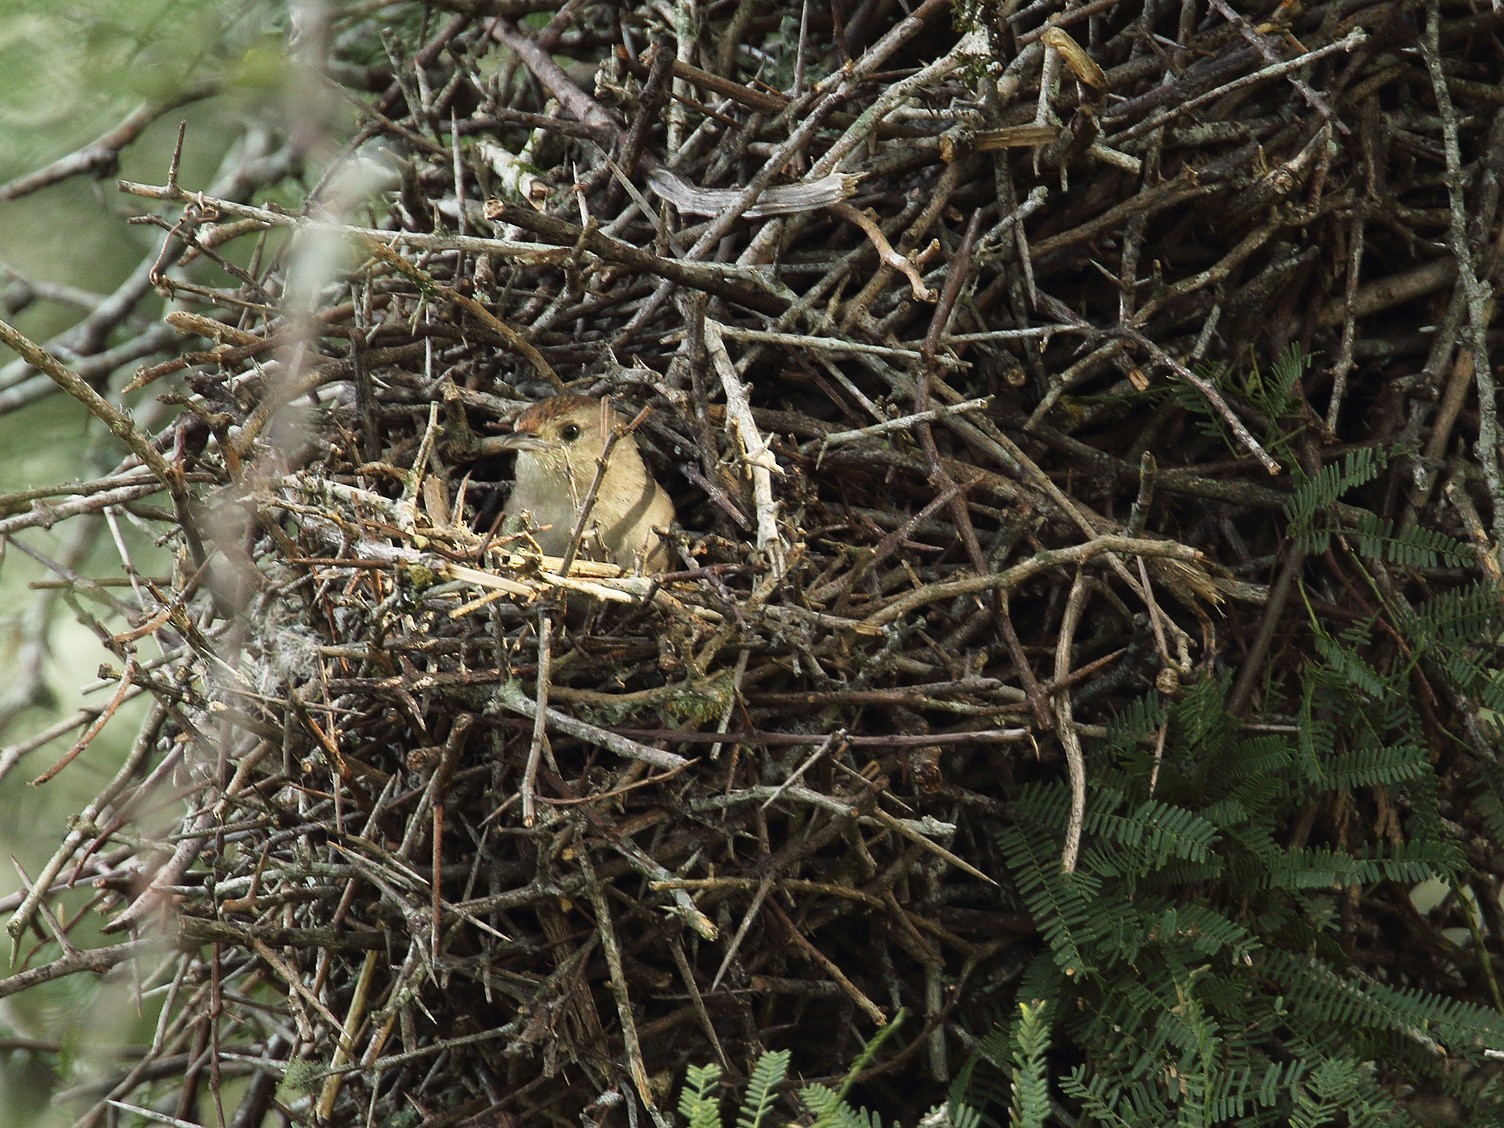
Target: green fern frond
1488,1104
1319,868
1342,1091
1201,716
1421,858
1029,1106
1288,368
1412,548
1317,493
1123,1105
1316,733
1279,1079
1269,399
958,1116
1251,1094
697,1105
1375,766
1167,960
1490,806
983,1081
1318,997
1142,716
832,1111
839,1114
1347,664
1162,831
1489,686
1065,907
1322,489
771,1068
1464,616
1203,931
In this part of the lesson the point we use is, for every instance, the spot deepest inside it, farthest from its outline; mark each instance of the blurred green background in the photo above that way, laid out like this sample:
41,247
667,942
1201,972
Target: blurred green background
67,74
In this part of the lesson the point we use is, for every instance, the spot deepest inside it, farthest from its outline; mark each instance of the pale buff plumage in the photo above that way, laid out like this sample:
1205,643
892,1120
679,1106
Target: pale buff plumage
559,443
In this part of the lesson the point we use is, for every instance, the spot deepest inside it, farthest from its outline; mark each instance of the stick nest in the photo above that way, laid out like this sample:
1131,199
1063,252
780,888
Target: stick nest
978,363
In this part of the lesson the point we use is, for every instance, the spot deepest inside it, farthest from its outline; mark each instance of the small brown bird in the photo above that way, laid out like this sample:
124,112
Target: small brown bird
559,442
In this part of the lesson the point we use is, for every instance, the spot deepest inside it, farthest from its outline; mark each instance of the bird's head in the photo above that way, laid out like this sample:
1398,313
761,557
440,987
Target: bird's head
563,436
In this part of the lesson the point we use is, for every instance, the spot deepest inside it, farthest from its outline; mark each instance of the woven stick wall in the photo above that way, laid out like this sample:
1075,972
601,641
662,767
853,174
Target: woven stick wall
968,355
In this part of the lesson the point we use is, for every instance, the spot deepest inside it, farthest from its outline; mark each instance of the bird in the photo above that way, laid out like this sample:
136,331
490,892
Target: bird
559,442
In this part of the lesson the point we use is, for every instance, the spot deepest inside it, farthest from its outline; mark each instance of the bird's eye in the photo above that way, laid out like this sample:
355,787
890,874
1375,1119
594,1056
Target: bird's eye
569,432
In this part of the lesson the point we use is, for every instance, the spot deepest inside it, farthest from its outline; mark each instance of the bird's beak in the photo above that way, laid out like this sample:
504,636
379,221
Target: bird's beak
519,441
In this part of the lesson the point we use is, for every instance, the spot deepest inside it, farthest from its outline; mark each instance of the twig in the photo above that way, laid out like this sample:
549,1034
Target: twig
853,992
101,154
1348,42
85,823
1248,32
428,284
95,960
540,718
898,423
510,696
885,251
618,979
1213,397
1010,578
118,422
1065,725
756,456
1478,296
